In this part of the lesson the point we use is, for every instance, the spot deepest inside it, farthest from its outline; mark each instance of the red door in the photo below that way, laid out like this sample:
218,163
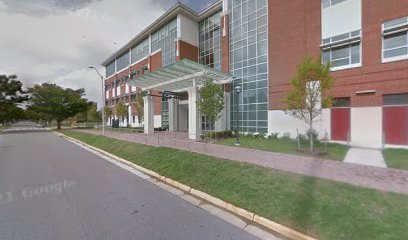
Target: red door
395,125
340,123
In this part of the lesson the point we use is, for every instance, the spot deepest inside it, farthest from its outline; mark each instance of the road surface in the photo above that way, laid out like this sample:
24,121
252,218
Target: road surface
52,189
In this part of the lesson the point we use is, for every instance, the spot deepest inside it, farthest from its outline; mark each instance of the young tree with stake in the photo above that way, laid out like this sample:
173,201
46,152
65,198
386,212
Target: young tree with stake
309,93
211,101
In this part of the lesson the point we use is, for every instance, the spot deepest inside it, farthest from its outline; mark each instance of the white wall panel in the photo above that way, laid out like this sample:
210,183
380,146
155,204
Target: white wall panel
341,18
280,122
157,121
188,30
366,127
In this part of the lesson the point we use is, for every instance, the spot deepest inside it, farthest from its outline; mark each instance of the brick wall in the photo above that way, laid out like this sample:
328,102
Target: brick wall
225,47
187,51
384,78
155,62
292,36
294,31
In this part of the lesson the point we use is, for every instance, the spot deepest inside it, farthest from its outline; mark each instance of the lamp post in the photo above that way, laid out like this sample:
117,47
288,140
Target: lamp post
237,91
103,99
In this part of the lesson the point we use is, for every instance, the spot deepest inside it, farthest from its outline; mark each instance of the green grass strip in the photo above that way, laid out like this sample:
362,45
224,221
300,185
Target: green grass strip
396,158
334,151
317,207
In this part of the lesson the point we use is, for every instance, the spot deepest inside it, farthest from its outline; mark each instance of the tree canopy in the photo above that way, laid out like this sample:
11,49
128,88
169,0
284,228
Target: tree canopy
121,109
309,93
138,104
57,103
11,96
211,101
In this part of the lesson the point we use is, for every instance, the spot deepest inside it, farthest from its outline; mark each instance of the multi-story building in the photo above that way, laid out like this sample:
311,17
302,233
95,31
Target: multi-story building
257,44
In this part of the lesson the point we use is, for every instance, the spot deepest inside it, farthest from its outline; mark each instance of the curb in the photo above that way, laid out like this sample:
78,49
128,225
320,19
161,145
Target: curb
252,217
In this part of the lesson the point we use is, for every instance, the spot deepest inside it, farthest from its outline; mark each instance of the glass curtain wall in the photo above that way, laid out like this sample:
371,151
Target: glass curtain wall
110,69
249,64
210,41
122,62
140,51
165,39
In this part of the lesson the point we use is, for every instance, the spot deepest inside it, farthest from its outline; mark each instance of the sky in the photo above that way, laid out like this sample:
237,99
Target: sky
56,40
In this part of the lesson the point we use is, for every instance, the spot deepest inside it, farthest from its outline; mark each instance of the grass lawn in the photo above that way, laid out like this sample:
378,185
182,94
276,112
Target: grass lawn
396,158
335,151
320,208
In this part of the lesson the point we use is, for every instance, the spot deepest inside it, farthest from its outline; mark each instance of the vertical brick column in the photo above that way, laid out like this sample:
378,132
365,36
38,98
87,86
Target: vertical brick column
225,43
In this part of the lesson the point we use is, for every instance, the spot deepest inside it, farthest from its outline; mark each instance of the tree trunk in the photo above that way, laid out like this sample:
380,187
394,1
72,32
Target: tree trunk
58,125
311,137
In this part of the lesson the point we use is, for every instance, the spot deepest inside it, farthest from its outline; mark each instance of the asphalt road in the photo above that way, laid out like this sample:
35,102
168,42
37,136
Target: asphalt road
53,189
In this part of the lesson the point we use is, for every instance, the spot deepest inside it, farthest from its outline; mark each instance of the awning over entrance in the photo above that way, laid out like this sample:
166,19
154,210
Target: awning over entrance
179,76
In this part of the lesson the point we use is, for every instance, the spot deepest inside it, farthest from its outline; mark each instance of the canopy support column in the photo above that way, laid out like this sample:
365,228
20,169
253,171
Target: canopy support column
173,114
223,123
194,123
148,115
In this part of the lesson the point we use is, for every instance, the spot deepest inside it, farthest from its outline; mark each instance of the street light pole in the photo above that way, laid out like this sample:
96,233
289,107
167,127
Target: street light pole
103,99
238,91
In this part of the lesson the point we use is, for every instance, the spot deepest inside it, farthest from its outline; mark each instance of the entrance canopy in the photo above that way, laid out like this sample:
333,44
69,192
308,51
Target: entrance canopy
179,76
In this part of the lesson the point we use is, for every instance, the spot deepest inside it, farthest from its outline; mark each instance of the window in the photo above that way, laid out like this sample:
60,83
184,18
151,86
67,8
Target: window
342,51
395,40
123,61
341,102
210,41
140,51
396,99
110,69
330,3
164,39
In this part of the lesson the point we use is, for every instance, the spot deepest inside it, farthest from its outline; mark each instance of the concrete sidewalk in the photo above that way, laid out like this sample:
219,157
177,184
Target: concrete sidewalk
391,180
365,156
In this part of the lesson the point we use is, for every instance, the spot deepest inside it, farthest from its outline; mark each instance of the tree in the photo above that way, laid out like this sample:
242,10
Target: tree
121,110
309,93
211,101
93,115
108,112
138,104
56,102
11,96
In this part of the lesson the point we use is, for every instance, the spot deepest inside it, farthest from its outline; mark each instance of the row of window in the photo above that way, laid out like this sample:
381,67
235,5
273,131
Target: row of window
330,3
388,100
163,39
344,51
210,41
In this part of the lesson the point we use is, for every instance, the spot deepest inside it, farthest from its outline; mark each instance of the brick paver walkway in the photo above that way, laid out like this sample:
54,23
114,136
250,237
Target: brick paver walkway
367,176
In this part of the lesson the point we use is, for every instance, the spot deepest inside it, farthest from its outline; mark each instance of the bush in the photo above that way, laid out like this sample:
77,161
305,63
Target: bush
302,137
217,135
273,136
286,136
315,134
262,135
160,129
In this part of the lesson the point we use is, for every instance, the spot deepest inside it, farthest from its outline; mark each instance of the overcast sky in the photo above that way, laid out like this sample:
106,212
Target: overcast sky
56,40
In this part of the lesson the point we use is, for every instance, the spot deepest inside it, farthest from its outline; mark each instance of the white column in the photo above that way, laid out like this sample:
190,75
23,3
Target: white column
223,123
173,114
194,123
148,115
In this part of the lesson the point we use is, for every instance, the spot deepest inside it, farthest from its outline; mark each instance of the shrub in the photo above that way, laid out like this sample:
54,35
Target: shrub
273,136
315,134
262,135
286,135
302,137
